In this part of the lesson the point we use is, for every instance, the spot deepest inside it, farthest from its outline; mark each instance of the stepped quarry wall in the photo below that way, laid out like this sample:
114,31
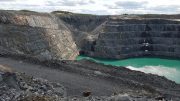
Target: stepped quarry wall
135,37
61,36
37,35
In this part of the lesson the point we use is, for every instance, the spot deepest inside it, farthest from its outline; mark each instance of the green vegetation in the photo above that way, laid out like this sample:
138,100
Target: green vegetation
28,11
70,13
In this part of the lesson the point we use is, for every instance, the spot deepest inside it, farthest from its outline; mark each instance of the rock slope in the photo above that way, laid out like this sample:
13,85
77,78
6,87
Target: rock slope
20,87
125,36
83,26
37,35
63,35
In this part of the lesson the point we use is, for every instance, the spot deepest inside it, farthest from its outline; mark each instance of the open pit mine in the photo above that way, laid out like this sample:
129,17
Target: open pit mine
38,56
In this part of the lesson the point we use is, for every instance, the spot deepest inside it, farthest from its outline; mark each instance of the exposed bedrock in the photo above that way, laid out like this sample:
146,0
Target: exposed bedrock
134,37
60,35
37,35
84,27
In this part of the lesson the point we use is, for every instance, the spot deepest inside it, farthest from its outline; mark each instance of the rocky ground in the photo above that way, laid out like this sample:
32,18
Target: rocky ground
20,87
82,81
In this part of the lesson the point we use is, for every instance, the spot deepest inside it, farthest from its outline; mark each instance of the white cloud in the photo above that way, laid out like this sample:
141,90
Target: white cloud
95,6
6,0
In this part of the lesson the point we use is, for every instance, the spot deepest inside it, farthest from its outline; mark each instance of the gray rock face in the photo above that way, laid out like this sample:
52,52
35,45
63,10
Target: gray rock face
36,35
133,37
1,77
82,26
61,36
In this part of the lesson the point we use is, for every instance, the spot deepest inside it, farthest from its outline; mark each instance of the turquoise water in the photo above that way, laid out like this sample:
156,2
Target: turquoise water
169,68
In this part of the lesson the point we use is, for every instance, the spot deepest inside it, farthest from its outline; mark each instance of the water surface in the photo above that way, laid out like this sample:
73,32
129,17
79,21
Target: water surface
170,68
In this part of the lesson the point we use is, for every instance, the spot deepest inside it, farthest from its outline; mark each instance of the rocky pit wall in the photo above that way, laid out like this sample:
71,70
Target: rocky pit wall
37,35
136,37
63,36
83,26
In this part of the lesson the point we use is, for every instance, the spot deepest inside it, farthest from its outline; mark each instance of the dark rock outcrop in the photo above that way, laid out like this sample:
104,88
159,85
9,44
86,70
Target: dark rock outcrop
37,35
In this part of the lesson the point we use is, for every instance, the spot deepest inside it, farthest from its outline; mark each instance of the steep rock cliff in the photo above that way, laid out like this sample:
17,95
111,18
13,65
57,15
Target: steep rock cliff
37,35
124,37
62,35
84,27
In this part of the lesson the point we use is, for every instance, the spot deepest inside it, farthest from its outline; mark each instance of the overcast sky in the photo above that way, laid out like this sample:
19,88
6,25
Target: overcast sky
100,7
